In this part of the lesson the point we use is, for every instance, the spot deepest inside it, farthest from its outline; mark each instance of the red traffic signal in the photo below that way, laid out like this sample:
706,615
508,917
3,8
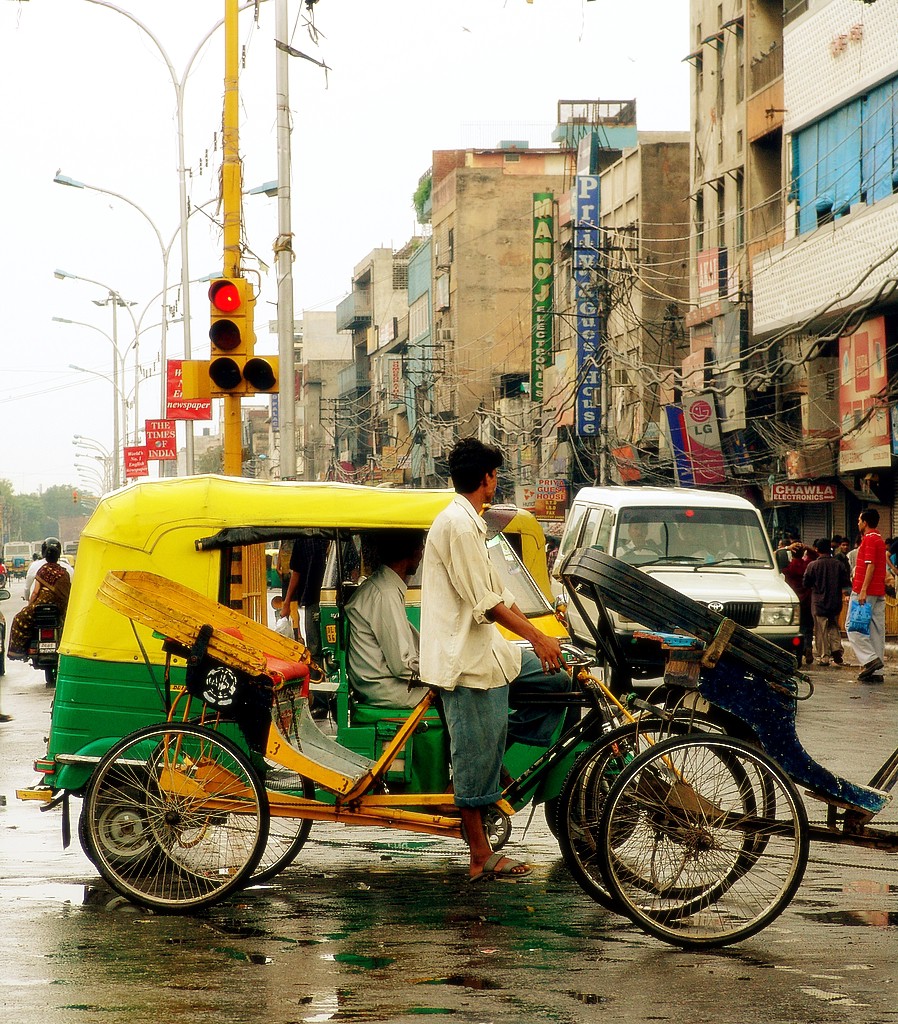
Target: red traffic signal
225,296
230,310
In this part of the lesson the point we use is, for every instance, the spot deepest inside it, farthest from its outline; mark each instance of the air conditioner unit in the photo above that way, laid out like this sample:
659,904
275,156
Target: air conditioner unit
445,334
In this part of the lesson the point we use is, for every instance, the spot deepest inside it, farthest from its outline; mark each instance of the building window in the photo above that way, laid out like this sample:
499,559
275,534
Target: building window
846,157
451,245
740,64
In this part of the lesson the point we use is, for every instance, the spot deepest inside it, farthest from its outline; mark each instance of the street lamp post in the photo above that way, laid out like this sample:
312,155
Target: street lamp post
165,250
178,84
116,300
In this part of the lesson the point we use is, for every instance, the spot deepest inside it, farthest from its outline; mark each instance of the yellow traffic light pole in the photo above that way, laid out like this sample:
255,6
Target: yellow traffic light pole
231,192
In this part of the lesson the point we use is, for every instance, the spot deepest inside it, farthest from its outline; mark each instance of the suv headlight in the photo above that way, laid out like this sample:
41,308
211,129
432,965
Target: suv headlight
777,615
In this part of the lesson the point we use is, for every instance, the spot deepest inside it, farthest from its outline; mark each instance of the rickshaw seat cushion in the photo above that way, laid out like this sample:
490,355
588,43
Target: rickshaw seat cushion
278,669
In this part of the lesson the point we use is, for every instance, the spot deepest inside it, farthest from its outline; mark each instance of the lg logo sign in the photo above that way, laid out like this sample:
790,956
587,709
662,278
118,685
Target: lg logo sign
700,411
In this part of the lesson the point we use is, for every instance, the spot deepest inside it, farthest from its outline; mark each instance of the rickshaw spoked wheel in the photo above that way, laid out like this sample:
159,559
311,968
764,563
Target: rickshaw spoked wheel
202,802
703,840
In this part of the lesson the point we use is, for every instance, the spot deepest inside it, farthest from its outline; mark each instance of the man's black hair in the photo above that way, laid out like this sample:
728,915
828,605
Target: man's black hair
389,546
469,462
870,517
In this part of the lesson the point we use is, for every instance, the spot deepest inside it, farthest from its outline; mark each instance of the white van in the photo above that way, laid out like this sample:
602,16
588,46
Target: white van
710,546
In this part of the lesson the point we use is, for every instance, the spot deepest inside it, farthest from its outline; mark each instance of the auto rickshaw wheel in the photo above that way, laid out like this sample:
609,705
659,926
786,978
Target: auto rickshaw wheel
497,826
203,803
121,827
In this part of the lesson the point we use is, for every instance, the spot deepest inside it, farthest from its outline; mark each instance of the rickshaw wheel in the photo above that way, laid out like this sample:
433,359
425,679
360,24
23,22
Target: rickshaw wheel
703,840
582,800
201,801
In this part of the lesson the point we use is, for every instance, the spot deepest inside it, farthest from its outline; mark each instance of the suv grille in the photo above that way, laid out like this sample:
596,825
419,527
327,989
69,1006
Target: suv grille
743,613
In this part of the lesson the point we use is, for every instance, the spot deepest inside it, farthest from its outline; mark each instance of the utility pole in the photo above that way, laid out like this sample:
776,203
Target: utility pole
284,254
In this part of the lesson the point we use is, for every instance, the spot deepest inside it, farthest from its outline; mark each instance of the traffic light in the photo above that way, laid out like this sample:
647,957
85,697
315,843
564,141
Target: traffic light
234,369
231,333
74,497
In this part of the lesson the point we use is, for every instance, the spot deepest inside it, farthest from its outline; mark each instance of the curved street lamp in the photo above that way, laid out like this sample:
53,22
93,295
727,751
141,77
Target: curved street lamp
117,360
179,85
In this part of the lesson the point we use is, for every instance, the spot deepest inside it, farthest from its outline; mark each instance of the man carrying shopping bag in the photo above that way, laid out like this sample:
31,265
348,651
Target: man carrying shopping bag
869,587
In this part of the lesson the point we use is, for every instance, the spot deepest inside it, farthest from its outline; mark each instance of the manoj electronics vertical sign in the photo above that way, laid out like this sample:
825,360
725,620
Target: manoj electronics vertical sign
586,262
543,291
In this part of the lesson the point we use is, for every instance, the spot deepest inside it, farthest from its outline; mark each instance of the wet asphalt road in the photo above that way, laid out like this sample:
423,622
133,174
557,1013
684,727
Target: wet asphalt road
371,925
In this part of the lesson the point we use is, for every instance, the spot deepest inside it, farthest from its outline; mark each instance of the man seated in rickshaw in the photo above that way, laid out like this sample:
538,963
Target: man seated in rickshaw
382,656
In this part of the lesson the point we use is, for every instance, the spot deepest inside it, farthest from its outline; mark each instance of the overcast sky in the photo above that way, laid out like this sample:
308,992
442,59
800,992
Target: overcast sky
85,92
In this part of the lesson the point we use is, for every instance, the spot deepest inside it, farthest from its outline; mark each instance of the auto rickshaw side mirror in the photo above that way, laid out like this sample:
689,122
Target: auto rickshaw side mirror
5,595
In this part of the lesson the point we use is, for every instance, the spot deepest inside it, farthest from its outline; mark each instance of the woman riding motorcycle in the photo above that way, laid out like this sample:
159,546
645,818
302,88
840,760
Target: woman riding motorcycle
52,585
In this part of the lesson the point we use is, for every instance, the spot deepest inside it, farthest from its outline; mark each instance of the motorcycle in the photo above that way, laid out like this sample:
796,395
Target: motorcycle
43,648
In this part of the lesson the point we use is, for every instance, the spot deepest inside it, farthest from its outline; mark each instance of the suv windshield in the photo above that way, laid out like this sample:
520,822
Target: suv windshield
692,537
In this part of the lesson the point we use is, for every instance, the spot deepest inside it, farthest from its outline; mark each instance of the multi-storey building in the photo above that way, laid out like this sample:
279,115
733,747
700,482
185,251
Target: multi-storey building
640,289
825,308
482,220
322,352
370,407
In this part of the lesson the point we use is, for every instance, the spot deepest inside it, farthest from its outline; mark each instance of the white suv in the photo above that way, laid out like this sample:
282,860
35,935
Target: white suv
708,545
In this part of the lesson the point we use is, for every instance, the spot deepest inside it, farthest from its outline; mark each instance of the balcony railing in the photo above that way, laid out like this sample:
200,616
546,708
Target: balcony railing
767,68
352,380
353,312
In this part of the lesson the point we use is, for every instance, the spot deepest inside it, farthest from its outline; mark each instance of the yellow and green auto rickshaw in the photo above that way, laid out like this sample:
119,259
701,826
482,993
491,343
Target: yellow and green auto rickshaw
210,534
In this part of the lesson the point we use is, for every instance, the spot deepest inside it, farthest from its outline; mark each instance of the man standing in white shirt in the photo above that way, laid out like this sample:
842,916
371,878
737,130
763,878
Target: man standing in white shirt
383,644
468,659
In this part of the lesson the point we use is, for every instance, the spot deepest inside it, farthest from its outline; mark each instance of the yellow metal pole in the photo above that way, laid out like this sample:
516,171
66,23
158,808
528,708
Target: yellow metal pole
231,192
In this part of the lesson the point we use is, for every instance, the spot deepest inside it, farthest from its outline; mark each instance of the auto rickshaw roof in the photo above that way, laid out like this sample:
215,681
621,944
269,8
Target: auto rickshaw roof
135,515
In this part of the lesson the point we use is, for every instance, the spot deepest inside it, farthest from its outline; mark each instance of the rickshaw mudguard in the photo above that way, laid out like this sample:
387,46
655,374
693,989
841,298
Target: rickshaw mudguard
769,710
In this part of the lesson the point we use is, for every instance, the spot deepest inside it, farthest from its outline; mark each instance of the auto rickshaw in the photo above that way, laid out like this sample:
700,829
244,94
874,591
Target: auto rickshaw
210,534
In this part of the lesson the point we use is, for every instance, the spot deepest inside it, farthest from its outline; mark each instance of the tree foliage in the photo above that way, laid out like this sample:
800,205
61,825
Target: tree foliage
35,516
421,198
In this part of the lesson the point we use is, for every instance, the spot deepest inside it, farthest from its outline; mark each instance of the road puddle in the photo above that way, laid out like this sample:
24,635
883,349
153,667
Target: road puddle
862,918
46,892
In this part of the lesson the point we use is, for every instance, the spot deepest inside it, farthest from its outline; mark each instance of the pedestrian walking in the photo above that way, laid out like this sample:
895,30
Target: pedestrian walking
825,577
869,587
801,557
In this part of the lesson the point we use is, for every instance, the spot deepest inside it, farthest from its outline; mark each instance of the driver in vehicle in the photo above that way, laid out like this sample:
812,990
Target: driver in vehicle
638,549
383,644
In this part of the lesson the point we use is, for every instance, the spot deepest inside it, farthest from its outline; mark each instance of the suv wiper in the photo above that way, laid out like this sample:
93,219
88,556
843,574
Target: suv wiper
735,560
671,560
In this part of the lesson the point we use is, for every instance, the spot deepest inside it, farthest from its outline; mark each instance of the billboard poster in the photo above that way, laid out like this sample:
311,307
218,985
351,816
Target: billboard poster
674,428
136,462
588,417
705,451
547,500
177,406
543,291
866,440
161,440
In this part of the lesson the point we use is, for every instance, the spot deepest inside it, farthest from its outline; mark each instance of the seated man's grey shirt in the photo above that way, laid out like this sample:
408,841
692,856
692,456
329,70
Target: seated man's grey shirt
383,644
